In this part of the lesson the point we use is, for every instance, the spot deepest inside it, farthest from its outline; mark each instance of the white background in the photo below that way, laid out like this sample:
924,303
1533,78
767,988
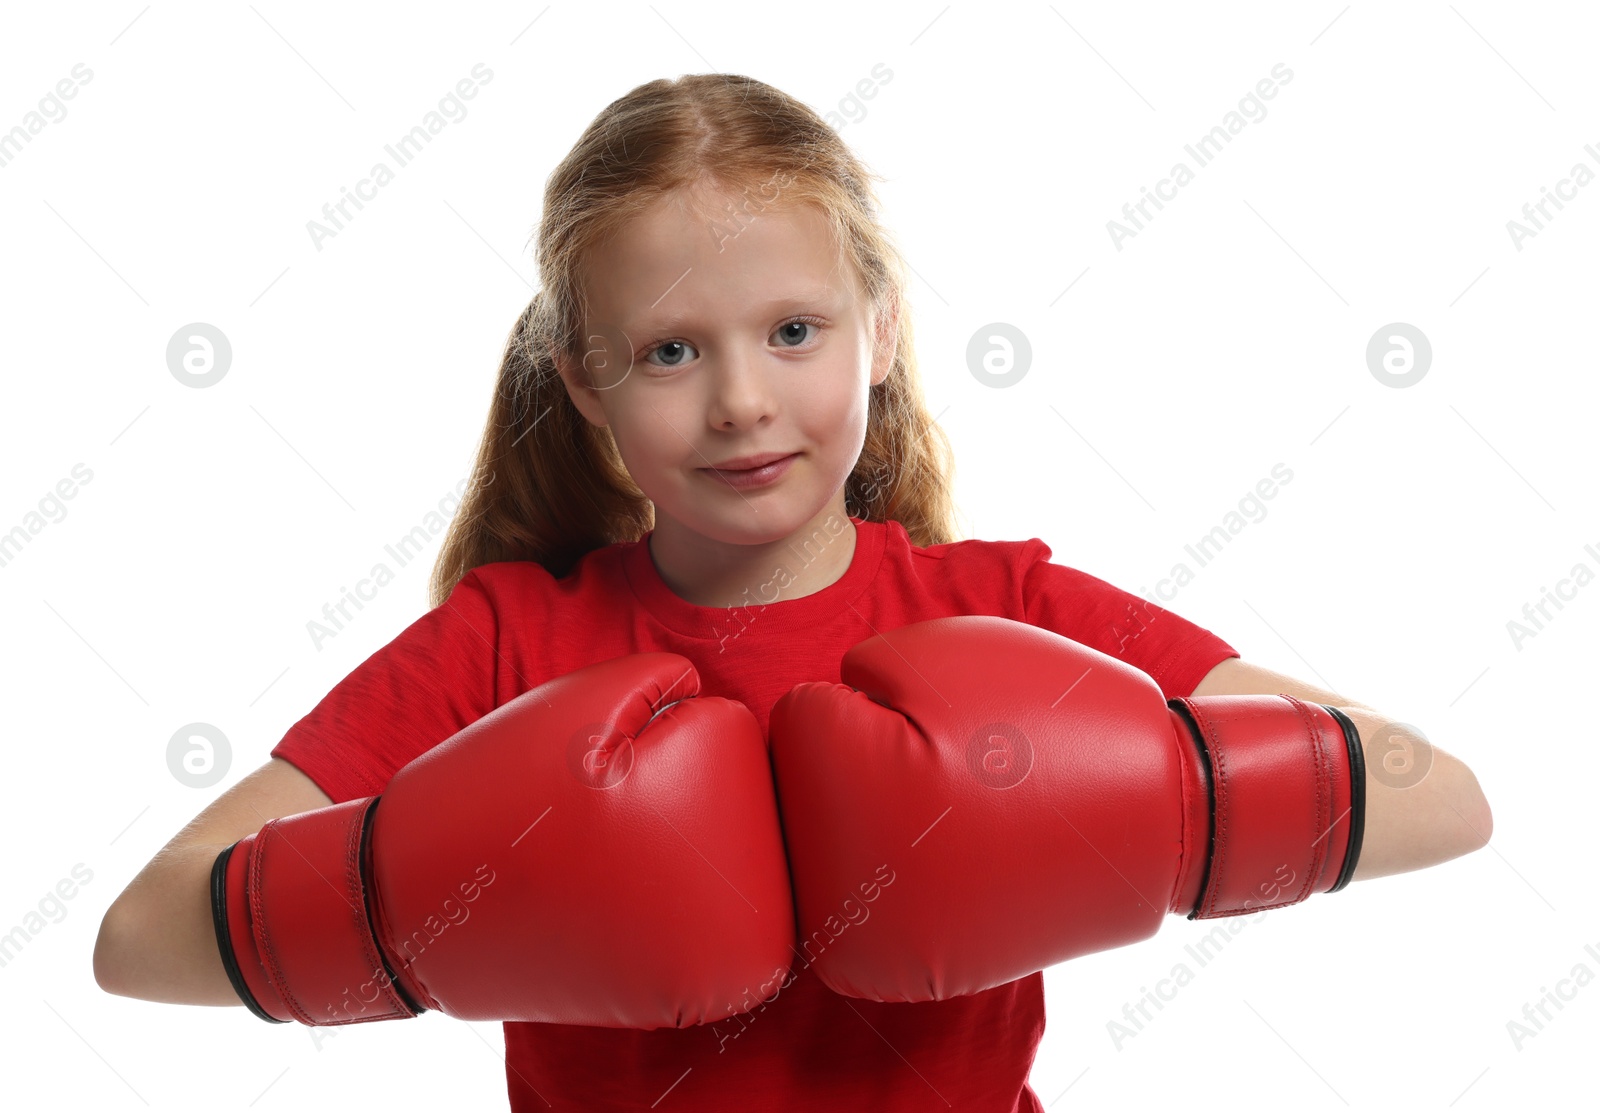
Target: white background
1228,336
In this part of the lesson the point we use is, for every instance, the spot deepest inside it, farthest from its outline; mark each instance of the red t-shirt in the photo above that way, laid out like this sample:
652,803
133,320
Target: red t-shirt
510,626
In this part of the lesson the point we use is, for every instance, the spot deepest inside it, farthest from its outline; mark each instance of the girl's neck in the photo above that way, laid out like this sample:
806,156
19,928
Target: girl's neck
710,573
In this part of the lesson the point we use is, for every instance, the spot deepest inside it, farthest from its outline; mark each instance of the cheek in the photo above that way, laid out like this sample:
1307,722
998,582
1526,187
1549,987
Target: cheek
840,409
652,426
836,423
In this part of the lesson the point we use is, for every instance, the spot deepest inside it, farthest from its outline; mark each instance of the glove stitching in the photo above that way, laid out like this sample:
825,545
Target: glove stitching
269,953
1222,789
1189,762
1221,786
1321,805
358,919
1276,715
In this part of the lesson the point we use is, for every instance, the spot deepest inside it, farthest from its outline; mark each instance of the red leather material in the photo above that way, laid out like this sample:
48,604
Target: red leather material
1195,807
1023,794
1281,775
242,942
308,918
982,798
602,850
631,865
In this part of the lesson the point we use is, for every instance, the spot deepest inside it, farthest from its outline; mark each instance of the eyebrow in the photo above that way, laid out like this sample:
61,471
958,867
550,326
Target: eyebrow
672,318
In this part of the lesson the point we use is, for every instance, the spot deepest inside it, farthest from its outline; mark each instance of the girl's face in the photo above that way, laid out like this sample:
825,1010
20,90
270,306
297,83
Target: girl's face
721,333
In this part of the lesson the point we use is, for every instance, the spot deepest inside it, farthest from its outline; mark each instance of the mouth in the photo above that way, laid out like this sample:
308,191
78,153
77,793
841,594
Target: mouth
769,469
749,463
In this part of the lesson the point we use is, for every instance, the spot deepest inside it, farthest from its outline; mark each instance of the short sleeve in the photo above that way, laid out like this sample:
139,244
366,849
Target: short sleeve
1175,652
436,677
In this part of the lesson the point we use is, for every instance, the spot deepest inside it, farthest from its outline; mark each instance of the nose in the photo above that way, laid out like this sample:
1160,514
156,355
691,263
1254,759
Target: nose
741,389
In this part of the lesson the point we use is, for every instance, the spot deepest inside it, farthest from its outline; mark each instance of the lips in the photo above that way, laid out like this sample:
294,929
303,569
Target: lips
746,463
754,478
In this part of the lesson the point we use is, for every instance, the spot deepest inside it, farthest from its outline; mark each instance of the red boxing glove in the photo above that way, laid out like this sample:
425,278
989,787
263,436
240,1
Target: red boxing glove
601,850
982,798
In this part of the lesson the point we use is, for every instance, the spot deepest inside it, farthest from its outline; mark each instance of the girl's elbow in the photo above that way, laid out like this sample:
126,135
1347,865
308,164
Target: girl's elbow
1415,821
1468,825
1480,817
106,972
116,949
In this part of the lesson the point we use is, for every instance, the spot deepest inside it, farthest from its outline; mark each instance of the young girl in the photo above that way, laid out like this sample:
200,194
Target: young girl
708,437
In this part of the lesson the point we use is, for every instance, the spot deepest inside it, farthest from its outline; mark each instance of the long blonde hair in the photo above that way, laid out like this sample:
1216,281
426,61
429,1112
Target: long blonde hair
550,487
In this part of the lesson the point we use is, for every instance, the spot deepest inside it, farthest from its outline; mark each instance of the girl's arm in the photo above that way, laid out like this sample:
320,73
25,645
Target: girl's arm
157,941
1424,806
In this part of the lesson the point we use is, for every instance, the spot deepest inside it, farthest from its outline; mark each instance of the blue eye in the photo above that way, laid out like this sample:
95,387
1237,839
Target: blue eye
674,350
665,346
783,330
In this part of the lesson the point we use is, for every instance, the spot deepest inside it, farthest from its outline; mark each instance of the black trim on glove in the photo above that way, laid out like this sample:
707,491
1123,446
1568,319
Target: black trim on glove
1358,796
219,920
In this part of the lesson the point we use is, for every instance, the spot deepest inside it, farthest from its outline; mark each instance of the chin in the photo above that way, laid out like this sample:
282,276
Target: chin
774,521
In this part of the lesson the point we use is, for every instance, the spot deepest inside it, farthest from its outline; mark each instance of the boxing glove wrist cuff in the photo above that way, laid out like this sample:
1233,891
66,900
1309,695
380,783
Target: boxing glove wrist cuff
1358,795
290,905
247,977
1286,783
